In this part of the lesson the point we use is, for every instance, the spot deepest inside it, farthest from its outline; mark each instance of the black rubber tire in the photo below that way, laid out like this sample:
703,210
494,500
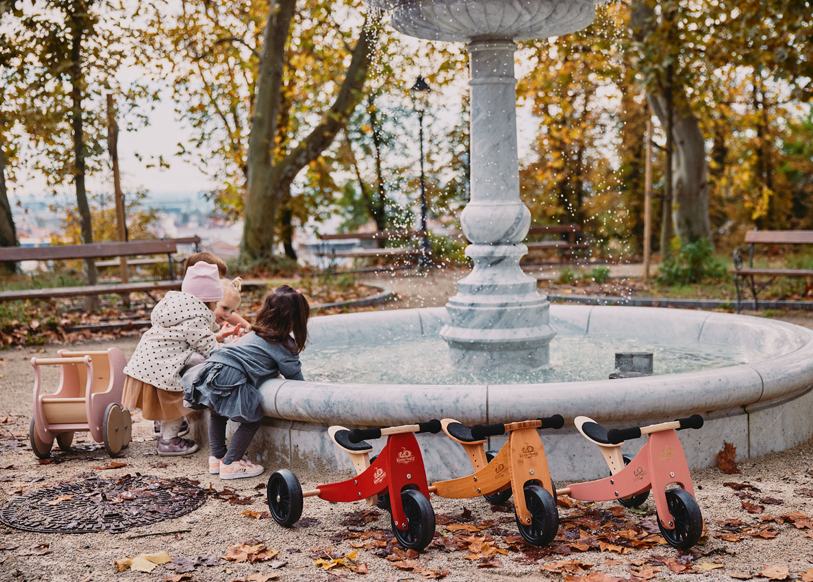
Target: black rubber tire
500,497
544,517
688,519
420,521
64,440
41,450
284,497
635,500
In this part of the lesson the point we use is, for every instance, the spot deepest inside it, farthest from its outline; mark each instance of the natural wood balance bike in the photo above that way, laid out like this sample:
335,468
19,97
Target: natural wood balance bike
660,463
519,467
88,397
398,468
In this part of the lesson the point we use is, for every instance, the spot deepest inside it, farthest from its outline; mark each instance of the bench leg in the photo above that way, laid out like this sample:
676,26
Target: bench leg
754,292
739,292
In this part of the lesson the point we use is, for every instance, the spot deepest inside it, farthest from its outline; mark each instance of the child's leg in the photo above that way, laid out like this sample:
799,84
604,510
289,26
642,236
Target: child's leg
170,428
217,434
240,441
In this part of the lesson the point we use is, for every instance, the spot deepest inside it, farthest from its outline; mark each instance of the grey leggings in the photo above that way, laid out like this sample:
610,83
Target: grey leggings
239,442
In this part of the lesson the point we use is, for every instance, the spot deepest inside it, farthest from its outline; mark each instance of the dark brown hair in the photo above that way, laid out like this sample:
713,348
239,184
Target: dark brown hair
205,257
284,311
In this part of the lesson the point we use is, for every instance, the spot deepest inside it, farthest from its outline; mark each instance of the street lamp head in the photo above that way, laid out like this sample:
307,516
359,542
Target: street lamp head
420,94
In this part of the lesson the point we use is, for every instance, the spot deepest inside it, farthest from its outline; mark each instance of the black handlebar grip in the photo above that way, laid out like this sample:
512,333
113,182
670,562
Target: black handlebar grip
362,434
555,421
432,426
694,421
480,432
619,435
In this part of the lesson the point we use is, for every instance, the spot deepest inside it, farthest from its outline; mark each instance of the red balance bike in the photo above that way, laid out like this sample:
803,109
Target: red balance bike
660,463
397,469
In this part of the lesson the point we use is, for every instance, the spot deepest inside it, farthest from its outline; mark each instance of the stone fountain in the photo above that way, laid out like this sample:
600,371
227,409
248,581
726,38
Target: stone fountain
761,403
497,318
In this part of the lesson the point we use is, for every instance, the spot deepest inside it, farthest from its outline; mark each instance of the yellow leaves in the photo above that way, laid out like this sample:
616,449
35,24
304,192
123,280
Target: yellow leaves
707,566
608,547
348,561
60,499
143,562
775,572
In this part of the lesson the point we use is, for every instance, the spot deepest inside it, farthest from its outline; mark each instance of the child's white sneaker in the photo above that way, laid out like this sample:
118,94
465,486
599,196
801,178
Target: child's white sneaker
214,465
240,469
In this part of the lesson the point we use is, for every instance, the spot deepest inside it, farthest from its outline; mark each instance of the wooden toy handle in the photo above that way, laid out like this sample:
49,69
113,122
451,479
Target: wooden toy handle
617,436
480,431
56,361
360,434
556,421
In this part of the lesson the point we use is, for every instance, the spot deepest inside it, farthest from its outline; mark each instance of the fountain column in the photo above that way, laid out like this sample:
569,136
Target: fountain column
498,318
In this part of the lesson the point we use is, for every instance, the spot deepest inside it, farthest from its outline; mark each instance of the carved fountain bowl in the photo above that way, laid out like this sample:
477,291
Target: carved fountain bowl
467,20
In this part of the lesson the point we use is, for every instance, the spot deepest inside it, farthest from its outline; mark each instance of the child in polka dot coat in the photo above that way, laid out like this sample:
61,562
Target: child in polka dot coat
183,324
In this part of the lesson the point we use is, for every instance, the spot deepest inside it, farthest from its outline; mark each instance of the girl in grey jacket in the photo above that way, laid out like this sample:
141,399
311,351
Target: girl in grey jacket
227,384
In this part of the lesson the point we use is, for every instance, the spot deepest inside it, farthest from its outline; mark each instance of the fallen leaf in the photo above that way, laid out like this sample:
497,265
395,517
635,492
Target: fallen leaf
177,577
463,526
775,572
741,575
606,547
645,572
725,459
707,566
612,562
60,499
807,576
256,514
771,501
143,563
249,553
751,508
359,518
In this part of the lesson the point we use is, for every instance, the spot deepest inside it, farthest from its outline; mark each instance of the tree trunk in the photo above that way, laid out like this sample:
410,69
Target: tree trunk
8,233
286,227
263,197
688,186
77,31
378,207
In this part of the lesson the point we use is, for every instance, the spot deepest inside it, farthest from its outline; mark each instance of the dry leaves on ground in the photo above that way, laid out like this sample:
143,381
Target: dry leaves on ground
250,551
111,465
725,459
143,562
775,572
329,558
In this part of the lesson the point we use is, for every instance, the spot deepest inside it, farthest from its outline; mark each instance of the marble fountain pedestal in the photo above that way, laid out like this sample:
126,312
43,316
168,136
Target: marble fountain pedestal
497,317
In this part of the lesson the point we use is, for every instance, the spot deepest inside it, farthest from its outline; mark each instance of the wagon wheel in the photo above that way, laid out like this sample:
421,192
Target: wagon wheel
113,430
128,427
41,449
64,441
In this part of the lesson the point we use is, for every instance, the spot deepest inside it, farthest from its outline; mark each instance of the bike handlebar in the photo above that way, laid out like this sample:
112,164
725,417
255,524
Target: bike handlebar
361,434
480,432
618,435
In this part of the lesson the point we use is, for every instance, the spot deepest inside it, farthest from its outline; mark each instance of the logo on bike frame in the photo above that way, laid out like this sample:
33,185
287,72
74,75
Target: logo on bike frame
529,451
379,475
405,456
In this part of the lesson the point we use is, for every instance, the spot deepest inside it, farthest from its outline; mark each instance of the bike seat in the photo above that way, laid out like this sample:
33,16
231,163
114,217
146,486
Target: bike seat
593,431
458,431
341,436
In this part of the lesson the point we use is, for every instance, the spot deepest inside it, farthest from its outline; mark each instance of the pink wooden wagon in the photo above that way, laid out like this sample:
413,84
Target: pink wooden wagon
88,399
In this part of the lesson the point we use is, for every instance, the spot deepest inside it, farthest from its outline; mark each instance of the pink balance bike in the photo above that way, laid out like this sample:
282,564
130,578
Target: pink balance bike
397,469
660,463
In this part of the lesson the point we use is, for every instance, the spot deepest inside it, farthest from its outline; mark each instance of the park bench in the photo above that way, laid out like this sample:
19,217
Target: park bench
770,237
95,251
564,247
178,261
325,249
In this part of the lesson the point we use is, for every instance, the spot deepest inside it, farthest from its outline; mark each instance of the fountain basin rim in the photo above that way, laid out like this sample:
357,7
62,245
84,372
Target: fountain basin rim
718,392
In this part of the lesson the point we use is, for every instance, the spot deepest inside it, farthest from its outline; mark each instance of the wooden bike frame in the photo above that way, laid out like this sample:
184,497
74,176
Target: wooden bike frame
521,459
399,464
659,463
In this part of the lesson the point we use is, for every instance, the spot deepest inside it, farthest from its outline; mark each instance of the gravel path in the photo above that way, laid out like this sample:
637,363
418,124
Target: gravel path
786,478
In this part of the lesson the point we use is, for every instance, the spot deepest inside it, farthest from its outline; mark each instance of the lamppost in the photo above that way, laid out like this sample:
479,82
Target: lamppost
420,98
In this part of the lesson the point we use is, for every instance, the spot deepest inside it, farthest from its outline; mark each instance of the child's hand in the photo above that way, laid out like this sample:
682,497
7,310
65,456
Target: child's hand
226,331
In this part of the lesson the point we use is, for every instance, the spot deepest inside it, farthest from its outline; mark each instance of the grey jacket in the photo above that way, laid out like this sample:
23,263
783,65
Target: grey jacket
258,359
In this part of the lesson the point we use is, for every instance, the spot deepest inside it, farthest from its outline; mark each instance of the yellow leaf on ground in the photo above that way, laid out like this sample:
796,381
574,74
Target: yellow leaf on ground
775,572
807,576
143,562
707,566
60,499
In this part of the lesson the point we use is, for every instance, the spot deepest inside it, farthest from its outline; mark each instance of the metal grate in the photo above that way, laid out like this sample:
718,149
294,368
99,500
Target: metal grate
97,505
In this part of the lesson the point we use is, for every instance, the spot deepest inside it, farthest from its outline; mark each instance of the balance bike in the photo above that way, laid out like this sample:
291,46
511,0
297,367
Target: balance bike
658,464
398,468
520,466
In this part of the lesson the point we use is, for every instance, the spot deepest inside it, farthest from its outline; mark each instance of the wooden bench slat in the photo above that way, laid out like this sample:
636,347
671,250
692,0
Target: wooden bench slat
137,262
91,251
88,290
779,237
554,228
381,234
359,253
774,272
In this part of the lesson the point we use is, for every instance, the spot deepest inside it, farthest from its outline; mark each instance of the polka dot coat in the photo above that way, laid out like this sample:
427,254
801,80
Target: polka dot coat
181,326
